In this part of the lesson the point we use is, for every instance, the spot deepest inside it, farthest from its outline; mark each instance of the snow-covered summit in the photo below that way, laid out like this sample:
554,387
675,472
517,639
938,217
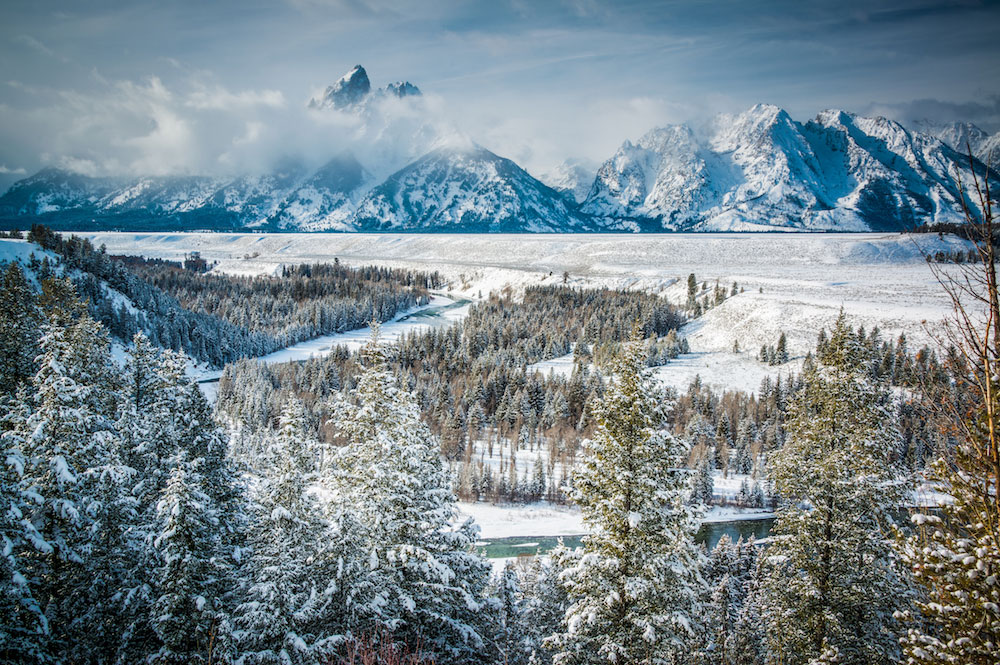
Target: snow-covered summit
961,136
352,88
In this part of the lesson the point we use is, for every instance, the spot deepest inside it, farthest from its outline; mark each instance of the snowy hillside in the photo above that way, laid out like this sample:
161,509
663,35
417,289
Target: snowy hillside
763,170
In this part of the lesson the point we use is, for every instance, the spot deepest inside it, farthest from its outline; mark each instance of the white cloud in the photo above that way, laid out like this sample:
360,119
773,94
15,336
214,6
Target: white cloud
36,45
78,165
220,99
5,170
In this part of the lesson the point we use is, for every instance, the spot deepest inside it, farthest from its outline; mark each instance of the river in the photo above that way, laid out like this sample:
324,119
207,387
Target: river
709,534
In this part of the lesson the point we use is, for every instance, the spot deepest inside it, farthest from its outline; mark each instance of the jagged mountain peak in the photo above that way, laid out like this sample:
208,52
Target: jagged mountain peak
402,89
962,137
354,90
351,89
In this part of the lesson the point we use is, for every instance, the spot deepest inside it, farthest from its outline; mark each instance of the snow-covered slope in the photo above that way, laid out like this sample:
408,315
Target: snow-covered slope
325,201
466,189
761,169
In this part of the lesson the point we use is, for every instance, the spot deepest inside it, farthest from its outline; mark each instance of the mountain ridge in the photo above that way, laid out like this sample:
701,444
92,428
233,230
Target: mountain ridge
753,171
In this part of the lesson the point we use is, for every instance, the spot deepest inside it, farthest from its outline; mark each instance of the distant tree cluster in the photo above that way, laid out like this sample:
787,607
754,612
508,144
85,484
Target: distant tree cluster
701,298
958,256
774,355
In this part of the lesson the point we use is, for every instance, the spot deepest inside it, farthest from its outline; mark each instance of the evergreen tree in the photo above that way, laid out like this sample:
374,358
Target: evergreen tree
729,573
111,557
544,602
67,434
780,351
184,614
512,643
147,431
430,586
748,643
692,291
833,582
23,626
18,331
635,593
277,618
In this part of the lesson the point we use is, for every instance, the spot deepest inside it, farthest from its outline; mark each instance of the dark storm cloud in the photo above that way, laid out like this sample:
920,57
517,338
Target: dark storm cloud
218,86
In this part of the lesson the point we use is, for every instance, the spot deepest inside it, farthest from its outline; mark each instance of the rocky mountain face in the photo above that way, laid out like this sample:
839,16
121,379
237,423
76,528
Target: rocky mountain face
762,170
354,89
758,170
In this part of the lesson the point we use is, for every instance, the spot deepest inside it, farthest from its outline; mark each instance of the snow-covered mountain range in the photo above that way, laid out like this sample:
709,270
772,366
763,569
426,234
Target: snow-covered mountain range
758,170
762,170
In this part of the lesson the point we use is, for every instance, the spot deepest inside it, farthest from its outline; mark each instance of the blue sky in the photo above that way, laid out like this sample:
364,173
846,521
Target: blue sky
169,87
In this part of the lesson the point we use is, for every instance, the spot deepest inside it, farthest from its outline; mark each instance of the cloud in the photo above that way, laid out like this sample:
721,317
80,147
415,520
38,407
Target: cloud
5,170
984,112
219,99
36,45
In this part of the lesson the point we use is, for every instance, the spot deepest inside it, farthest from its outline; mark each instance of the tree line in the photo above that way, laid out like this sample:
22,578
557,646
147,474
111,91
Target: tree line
217,318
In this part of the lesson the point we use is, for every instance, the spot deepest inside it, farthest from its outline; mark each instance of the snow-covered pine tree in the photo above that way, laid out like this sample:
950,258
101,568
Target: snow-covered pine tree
729,573
781,350
111,556
429,583
67,435
184,614
512,643
23,626
277,617
544,601
704,484
197,433
748,644
636,592
18,330
833,580
148,412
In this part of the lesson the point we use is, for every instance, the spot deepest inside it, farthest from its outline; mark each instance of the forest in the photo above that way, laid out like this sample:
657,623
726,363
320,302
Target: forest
310,516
